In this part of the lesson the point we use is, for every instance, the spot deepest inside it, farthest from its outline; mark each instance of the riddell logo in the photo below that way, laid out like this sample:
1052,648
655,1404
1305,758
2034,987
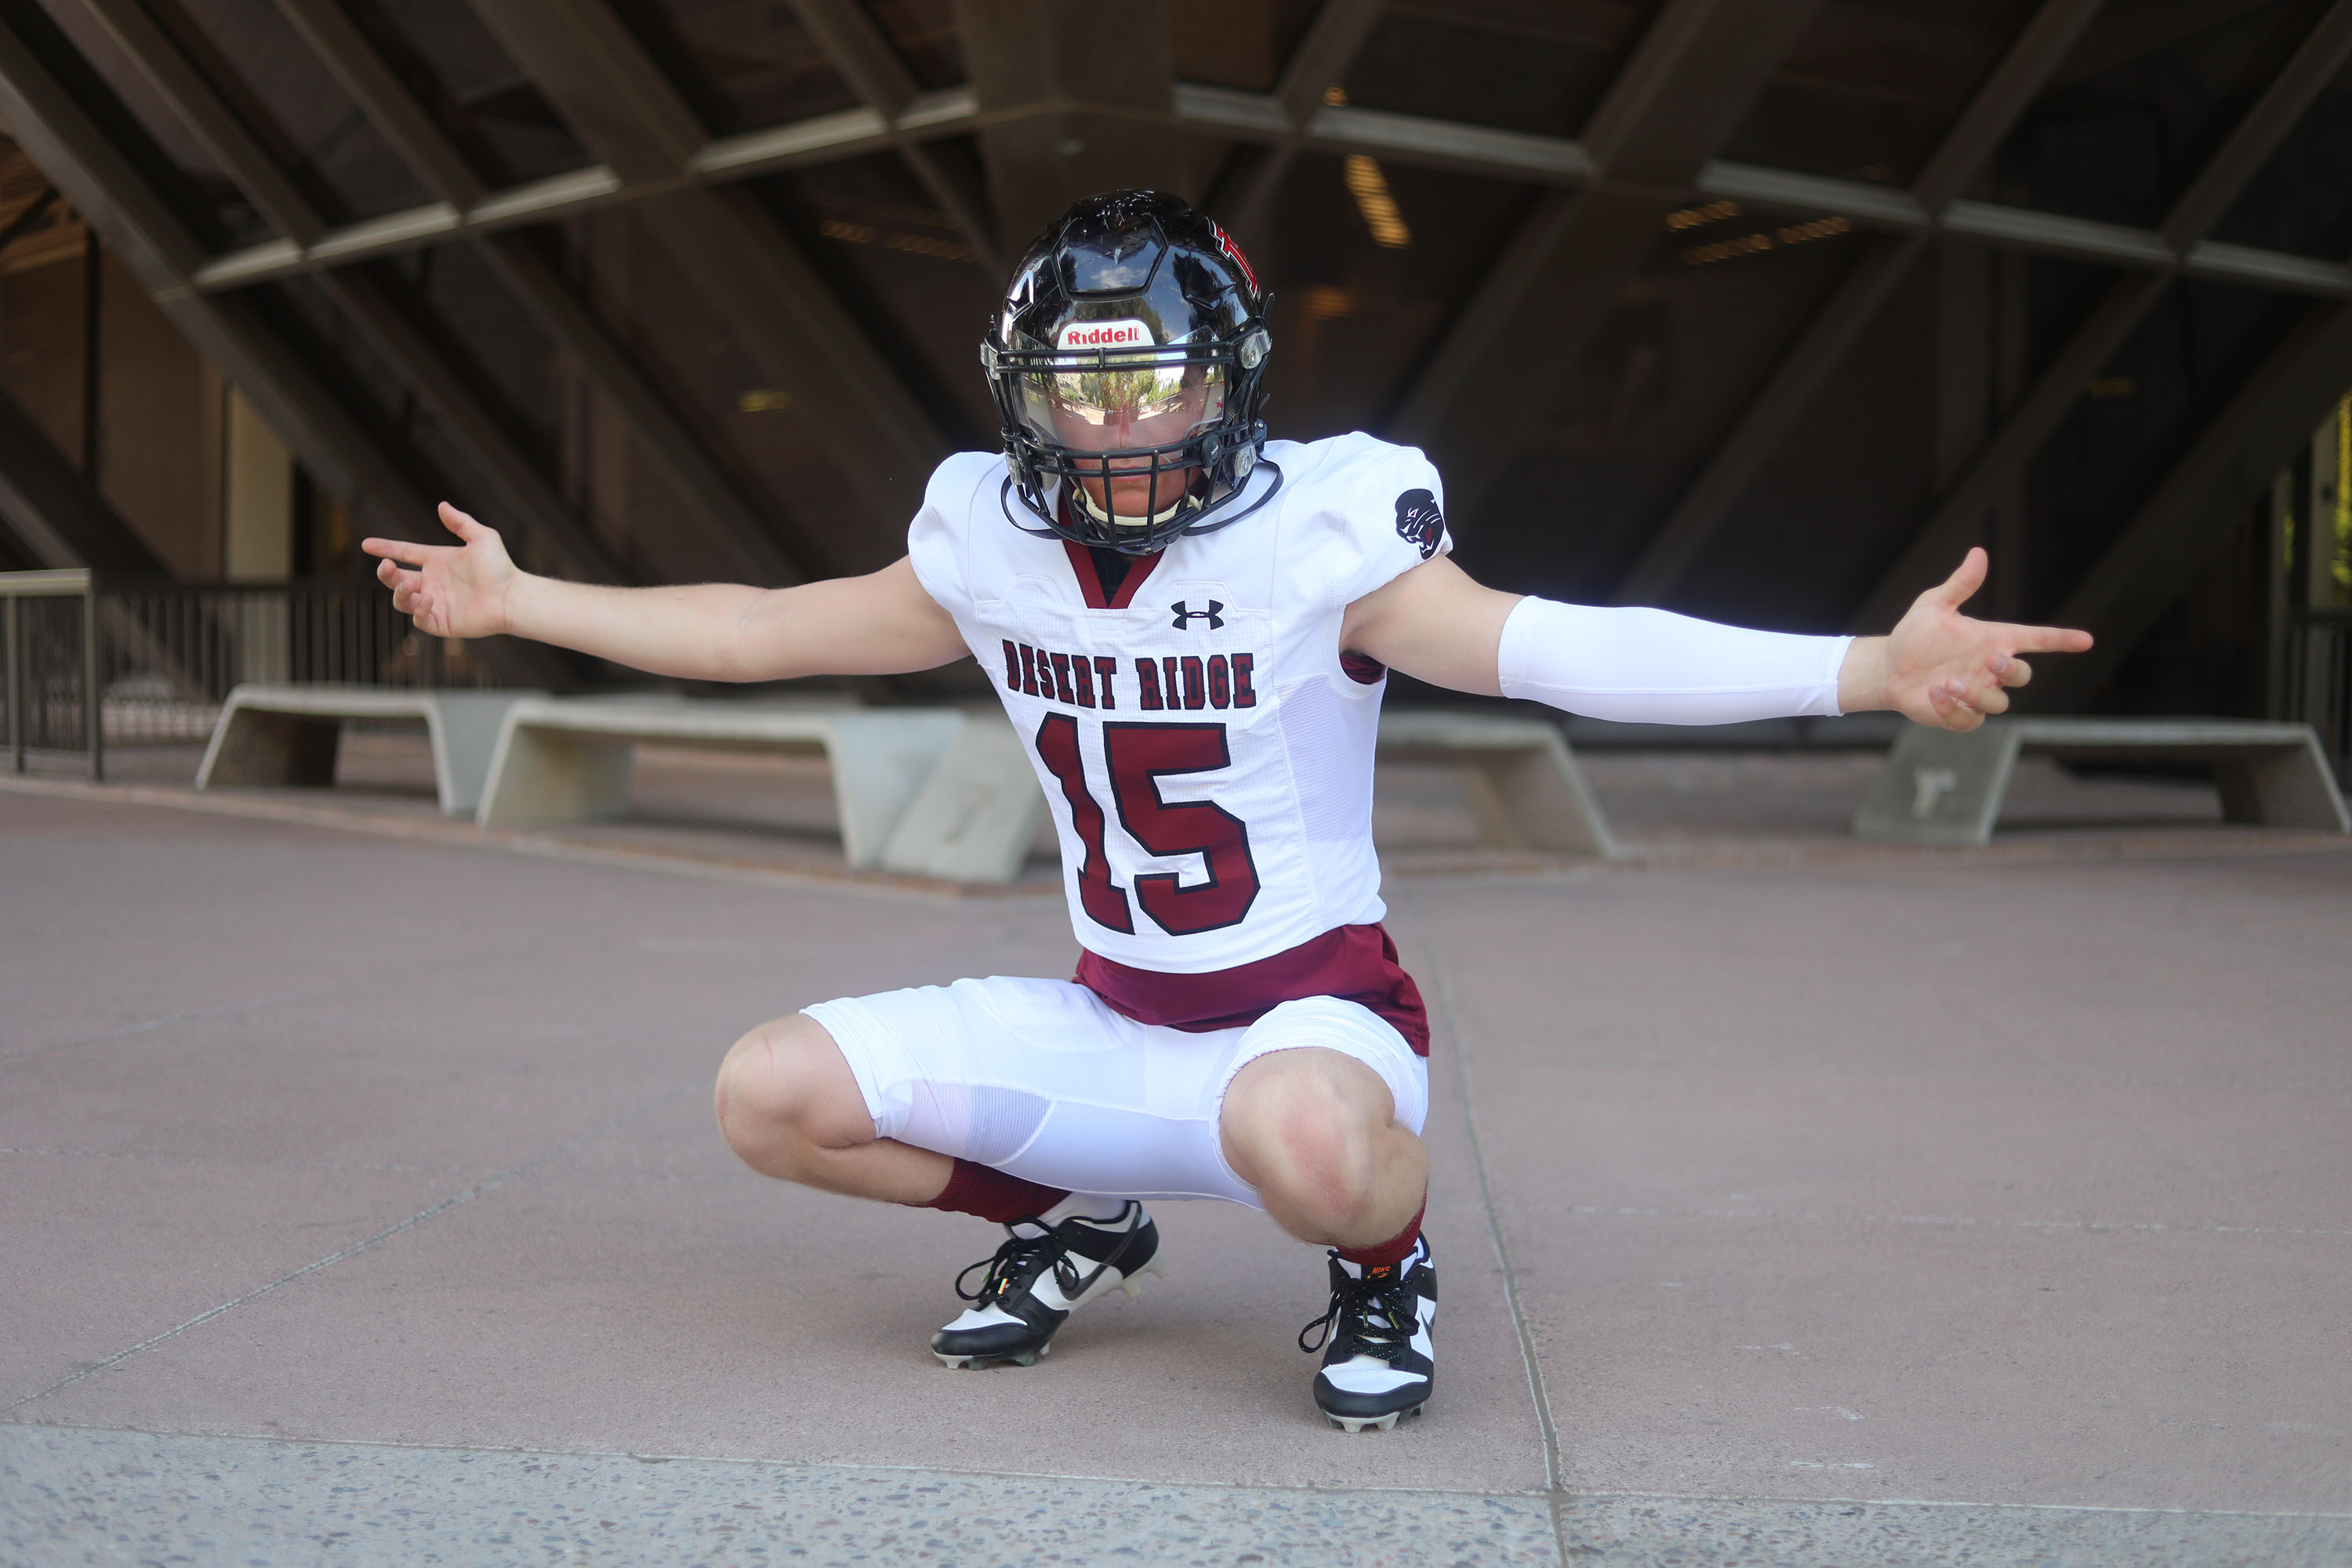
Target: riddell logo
1105,335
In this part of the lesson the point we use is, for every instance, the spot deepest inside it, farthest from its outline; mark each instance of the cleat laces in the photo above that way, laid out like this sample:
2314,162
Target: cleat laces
1376,1315
1017,1264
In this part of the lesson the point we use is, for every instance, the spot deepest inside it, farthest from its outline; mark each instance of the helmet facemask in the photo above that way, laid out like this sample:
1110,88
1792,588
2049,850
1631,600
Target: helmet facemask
1127,366
1127,440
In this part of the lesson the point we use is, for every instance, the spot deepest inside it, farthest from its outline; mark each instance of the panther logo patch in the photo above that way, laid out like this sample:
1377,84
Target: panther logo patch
1419,523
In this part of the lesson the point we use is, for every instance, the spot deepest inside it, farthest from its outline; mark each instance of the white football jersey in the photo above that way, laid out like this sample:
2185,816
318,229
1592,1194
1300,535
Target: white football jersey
1206,752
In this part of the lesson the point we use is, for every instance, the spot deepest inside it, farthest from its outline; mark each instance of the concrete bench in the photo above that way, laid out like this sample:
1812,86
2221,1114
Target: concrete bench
290,735
1524,785
978,813
1946,788
568,760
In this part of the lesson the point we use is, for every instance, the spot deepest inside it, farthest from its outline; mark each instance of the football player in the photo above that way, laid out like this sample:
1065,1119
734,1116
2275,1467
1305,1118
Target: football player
1191,626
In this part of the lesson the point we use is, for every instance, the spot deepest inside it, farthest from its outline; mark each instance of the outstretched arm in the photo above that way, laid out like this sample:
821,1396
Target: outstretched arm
1937,665
880,624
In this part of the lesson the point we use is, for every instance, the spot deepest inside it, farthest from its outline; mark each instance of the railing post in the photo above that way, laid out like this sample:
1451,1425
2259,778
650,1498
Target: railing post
15,685
93,693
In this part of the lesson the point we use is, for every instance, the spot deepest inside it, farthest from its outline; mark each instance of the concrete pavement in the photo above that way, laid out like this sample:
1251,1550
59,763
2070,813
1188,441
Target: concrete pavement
363,1205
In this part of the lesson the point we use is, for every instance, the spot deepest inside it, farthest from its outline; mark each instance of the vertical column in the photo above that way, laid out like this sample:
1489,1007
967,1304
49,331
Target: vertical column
2313,573
2280,638
15,675
93,686
258,540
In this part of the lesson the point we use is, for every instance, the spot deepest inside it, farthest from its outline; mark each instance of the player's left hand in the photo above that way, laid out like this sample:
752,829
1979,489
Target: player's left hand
1939,667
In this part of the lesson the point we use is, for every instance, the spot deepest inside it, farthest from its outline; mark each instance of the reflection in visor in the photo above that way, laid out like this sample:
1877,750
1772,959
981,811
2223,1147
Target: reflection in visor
1136,404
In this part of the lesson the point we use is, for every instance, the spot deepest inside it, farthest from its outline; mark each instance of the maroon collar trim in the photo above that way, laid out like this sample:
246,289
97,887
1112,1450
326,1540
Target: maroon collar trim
1082,564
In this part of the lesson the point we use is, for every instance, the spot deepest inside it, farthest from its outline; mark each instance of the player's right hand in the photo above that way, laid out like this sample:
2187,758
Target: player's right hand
451,590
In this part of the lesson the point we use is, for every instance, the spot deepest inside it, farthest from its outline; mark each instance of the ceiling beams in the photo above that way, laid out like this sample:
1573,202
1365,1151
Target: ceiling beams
2171,537
1691,80
1788,389
1074,97
52,121
730,528
1228,115
740,259
1958,517
444,387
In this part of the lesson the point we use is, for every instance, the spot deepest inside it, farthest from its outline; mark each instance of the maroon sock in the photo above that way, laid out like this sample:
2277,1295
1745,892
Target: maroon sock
993,1196
1391,1251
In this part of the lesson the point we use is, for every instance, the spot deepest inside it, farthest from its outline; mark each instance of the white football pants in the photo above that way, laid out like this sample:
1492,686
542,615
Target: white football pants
1040,1079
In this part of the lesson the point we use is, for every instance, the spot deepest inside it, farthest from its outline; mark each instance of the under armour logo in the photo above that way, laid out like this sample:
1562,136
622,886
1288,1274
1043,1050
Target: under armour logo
1215,614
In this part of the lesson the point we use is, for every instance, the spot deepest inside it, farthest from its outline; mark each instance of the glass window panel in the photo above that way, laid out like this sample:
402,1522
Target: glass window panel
1353,317
2302,200
465,80
2148,91
1650,392
1870,89
1523,65
926,38
293,106
743,64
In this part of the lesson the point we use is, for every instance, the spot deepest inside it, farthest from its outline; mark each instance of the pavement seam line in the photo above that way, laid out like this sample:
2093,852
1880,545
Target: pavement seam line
485,1184
737,1461
1606,1211
1958,1502
1442,987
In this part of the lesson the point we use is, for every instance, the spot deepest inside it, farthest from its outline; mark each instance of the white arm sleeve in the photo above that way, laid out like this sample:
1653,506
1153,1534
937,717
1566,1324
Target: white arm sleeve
1651,666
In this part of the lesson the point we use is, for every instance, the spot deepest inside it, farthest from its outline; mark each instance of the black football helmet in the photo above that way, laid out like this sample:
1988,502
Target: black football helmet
1131,350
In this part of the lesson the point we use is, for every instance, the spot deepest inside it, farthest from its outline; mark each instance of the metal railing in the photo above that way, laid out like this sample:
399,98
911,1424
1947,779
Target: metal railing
2319,682
88,662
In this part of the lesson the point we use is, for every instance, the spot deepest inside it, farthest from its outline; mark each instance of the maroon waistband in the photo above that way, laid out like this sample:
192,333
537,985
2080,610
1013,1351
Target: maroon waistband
1355,963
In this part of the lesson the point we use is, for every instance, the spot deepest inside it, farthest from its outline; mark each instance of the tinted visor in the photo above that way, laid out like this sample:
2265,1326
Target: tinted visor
1123,408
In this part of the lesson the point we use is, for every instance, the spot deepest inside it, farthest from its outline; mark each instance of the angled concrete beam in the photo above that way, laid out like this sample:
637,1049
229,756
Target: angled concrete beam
1773,410
1854,302
850,39
1333,40
385,99
1225,114
58,515
52,122
726,521
1938,544
2032,60
2227,174
1074,98
2172,536
212,123
788,322
49,114
468,422
1691,80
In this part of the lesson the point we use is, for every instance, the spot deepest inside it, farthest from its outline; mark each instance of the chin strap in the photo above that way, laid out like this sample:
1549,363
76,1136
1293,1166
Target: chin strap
1111,520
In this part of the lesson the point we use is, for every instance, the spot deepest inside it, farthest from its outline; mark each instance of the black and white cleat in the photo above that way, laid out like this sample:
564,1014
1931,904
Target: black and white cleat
1379,1360
1038,1277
